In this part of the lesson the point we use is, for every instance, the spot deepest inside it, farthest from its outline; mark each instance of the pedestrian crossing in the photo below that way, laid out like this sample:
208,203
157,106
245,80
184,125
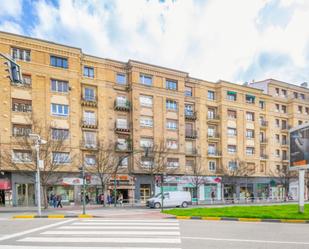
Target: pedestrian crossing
105,234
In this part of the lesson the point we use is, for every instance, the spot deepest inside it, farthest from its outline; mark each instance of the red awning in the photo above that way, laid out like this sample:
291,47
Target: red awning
5,184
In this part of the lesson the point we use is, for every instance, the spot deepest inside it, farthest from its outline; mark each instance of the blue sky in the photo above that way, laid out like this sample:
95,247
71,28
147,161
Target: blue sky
237,40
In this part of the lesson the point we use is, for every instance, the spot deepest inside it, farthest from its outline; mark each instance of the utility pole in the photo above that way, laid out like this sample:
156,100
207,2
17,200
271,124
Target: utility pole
84,189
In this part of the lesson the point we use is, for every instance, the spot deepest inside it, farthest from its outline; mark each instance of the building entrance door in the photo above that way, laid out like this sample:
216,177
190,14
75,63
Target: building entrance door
25,194
145,190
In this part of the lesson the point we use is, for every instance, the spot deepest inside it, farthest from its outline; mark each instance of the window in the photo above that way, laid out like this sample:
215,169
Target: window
146,162
277,91
284,140
300,109
188,91
284,155
277,122
123,143
262,104
212,166
21,156
172,144
277,136
277,153
145,101
190,147
21,130
90,139
232,114
89,94
250,151
59,109
211,95
122,101
121,79
171,84
307,110
250,99
172,162
59,86
284,124
189,110
212,149
171,124
232,165
283,109
124,162
88,72
146,142
302,96
59,134
300,122
171,105
122,123
21,105
21,54
89,118
250,133
56,61
146,121
61,157
231,95
231,149
190,163
232,132
295,94
211,113
283,92
145,79
277,107
211,131
90,160
250,116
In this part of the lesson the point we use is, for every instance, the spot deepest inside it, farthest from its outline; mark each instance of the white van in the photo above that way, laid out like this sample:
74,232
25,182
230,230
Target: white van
171,199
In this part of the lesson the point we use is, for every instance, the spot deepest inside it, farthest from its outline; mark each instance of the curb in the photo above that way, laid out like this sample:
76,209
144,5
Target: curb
241,219
53,216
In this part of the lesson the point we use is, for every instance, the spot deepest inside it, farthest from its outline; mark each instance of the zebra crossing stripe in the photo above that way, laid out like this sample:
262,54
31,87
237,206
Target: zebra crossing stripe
166,233
101,240
124,223
70,247
119,227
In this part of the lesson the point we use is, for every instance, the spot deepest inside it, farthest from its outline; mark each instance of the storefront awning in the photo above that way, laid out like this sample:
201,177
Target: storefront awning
250,96
231,92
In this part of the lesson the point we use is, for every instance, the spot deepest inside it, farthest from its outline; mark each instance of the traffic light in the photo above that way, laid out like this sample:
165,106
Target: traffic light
81,172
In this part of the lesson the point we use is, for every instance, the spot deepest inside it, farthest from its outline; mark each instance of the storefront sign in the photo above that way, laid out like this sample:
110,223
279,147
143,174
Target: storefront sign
190,179
5,184
72,181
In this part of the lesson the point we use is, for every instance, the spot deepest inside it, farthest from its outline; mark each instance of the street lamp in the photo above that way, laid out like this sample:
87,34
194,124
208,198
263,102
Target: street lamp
37,143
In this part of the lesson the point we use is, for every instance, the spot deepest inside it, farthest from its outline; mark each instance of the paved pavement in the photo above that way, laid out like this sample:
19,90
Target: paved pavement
149,233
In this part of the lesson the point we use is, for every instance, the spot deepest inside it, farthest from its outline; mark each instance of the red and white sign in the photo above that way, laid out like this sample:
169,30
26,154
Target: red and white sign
5,184
72,181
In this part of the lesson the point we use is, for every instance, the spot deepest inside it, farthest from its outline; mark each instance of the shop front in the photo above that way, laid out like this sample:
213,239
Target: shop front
23,189
5,189
122,187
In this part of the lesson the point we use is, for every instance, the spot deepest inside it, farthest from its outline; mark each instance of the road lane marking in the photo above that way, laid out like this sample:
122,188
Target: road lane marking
129,220
124,223
70,247
248,240
119,227
33,230
101,240
111,233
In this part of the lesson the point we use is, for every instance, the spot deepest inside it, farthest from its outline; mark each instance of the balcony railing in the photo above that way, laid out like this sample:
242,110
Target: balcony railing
213,118
190,115
89,123
263,140
284,143
215,153
89,144
263,157
89,101
285,128
191,152
264,123
191,134
121,105
122,128
213,136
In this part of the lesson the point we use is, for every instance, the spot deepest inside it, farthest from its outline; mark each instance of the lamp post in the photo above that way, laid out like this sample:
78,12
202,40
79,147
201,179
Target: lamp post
84,189
37,143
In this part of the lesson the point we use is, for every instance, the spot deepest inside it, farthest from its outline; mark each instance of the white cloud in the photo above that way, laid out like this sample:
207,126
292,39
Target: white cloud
212,39
11,27
11,8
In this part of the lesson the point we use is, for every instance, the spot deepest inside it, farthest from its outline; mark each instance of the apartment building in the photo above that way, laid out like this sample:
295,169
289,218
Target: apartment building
234,136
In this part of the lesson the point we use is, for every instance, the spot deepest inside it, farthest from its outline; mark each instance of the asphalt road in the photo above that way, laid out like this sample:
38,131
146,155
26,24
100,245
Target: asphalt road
149,233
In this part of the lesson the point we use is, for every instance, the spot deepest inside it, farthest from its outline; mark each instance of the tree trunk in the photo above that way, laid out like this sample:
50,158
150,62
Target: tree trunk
196,190
45,196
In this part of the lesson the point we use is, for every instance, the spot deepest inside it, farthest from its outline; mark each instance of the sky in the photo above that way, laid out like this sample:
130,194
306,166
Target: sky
233,40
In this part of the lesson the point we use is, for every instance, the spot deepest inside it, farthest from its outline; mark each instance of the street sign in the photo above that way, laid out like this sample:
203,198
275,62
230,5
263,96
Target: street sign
299,147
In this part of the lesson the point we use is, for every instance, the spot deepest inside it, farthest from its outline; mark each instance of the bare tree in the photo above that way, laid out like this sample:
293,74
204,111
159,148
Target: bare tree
15,159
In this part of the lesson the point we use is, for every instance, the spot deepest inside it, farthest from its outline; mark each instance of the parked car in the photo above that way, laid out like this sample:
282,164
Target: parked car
171,199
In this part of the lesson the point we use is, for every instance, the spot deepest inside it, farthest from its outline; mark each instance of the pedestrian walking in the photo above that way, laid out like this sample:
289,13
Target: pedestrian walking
120,199
102,199
213,195
59,201
55,201
87,199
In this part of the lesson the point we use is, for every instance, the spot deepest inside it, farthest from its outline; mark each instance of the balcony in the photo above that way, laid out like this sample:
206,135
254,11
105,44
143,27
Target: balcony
213,118
89,145
89,123
190,115
191,152
263,124
191,134
89,101
285,159
214,136
263,141
125,147
263,157
214,154
284,144
122,105
122,128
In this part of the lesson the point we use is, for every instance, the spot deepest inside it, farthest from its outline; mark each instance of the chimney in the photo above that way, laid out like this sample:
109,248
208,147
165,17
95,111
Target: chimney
304,84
